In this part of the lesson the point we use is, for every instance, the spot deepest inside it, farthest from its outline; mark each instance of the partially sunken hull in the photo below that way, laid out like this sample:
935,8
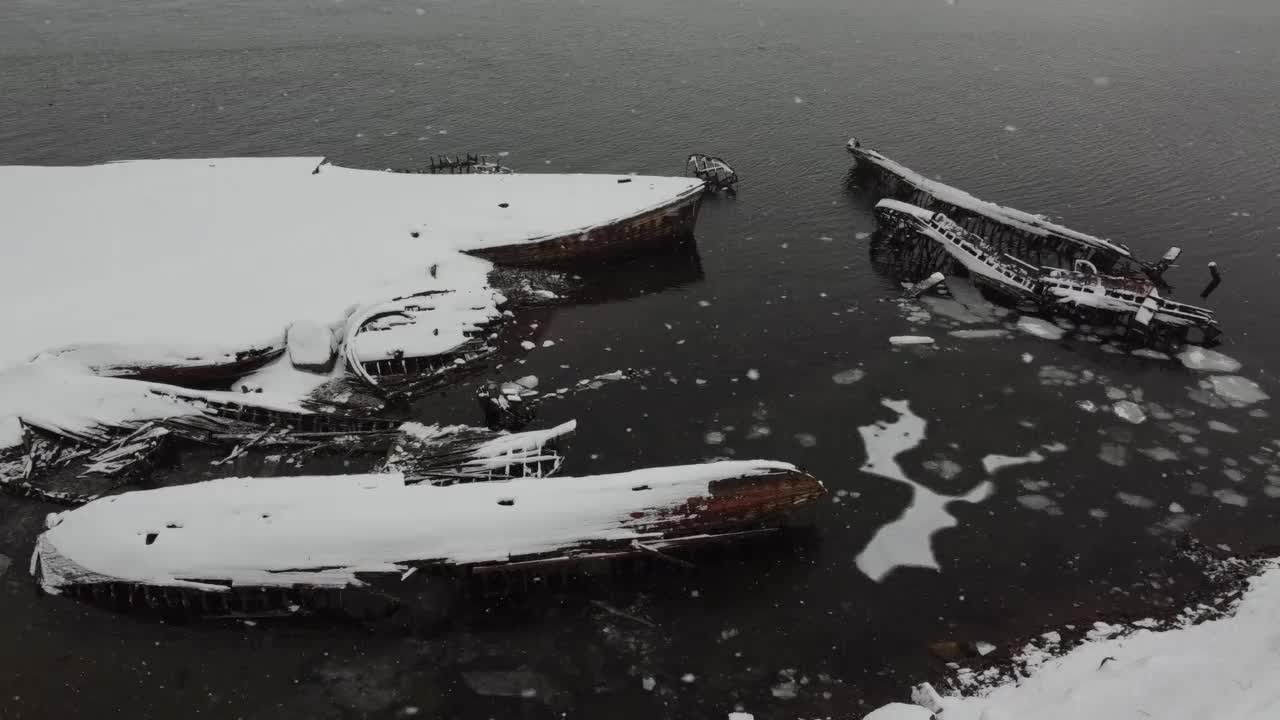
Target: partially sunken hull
1084,294
656,230
1021,234
260,546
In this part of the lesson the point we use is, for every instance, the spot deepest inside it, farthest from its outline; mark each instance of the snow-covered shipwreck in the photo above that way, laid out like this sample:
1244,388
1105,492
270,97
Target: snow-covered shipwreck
91,406
1025,258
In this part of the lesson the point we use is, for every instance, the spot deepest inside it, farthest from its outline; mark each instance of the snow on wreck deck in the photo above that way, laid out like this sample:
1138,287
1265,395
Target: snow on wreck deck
187,261
324,531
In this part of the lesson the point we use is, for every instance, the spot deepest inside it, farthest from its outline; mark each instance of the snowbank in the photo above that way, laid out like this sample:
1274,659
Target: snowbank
1220,670
324,530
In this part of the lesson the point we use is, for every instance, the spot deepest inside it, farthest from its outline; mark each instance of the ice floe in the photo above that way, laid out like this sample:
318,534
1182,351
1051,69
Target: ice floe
1198,358
910,340
907,540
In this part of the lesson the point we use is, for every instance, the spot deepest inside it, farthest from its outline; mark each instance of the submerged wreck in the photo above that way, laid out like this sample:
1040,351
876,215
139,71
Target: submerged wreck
244,546
1132,303
1028,237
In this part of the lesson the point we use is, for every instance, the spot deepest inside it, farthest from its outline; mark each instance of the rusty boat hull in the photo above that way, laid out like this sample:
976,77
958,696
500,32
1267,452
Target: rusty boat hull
653,230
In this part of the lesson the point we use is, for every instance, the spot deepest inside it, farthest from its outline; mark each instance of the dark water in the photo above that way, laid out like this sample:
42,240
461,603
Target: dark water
1150,121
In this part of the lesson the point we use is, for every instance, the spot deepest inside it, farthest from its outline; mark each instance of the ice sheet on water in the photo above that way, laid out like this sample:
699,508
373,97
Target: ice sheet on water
907,541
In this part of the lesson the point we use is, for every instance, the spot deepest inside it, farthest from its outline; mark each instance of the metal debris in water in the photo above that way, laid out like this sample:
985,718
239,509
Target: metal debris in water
715,172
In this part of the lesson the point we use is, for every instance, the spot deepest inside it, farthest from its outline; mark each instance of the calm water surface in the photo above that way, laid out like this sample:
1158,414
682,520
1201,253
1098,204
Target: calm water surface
1149,121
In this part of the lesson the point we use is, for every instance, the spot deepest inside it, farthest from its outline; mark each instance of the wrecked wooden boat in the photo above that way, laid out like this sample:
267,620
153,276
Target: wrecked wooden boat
1082,292
252,546
1029,237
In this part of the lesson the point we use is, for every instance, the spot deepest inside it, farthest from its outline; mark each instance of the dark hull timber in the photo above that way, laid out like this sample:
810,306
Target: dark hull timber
653,230
728,510
1025,236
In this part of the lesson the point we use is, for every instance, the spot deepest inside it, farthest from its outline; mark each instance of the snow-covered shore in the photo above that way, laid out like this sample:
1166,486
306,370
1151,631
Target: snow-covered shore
1223,669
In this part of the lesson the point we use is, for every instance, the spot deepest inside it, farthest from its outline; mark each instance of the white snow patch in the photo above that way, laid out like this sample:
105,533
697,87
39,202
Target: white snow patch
907,541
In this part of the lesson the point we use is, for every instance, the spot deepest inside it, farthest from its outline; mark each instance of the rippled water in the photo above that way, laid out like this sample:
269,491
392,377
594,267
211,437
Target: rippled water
1149,121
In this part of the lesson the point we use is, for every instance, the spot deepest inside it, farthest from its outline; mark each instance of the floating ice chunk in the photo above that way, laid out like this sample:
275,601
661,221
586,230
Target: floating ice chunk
753,374
1237,391
1129,411
649,684
527,345
911,340
992,463
1198,358
1055,447
1114,454
944,468
985,334
1115,393
714,437
1027,358
1039,503
1227,496
1087,405
806,440
688,678
861,236
1150,354
741,716
848,377
1040,328
1138,501
1222,427
759,431
1160,454
548,343
1010,128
